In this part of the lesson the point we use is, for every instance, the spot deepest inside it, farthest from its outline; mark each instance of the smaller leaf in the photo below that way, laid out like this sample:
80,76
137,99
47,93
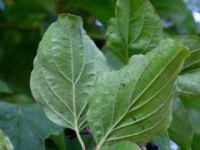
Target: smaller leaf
102,9
188,85
194,115
135,29
113,61
192,42
196,144
27,126
181,130
175,14
188,82
163,141
55,142
4,88
125,145
19,99
5,143
193,107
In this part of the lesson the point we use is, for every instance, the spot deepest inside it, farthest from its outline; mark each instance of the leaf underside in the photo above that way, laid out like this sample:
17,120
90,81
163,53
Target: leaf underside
64,71
134,103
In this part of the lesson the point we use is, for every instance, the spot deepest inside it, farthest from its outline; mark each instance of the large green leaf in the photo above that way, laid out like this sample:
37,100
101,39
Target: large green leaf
181,130
26,126
134,103
64,71
5,143
135,29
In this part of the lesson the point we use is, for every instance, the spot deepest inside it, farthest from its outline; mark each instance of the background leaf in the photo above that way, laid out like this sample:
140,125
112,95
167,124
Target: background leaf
189,90
102,10
4,88
162,141
188,85
26,126
192,42
181,130
5,143
188,81
73,143
135,29
175,16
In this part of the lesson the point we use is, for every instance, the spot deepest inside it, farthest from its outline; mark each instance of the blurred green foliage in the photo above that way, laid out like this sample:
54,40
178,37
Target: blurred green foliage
23,22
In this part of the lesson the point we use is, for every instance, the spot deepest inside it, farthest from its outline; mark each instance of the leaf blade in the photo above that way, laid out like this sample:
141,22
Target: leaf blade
5,143
138,33
26,125
181,130
64,71
124,83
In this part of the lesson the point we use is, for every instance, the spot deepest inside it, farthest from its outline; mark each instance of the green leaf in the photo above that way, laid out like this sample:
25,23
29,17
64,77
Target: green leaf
26,126
134,103
181,130
135,29
194,114
65,69
188,85
163,141
102,10
73,143
4,88
113,61
193,107
175,15
192,42
196,144
55,142
189,80
19,99
5,143
125,145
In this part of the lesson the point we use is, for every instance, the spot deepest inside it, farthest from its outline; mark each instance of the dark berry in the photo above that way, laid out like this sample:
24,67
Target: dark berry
152,146
70,133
